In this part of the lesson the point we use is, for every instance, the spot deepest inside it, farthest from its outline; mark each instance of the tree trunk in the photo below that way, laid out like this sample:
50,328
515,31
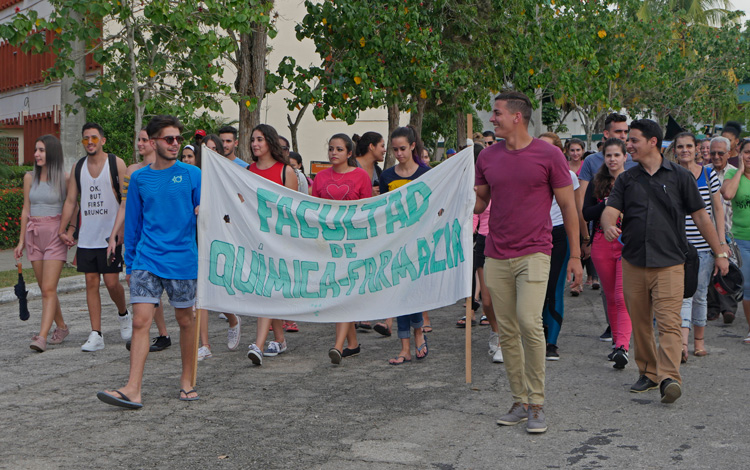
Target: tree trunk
71,123
460,129
250,83
294,126
417,116
390,160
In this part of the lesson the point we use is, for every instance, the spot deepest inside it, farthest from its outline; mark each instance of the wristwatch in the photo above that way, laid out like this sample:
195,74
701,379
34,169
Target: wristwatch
721,255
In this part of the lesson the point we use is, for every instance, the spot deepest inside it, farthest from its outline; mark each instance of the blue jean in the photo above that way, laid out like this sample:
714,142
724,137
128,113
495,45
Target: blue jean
694,309
407,322
744,246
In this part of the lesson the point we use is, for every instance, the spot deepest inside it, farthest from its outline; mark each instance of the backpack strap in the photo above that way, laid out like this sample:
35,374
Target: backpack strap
114,174
283,175
79,167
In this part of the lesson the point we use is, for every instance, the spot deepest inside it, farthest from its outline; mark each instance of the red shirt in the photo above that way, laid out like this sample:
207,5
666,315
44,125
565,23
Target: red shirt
355,184
272,174
521,183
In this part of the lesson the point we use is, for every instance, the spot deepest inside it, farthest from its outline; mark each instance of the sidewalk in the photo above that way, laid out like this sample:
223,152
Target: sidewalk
66,284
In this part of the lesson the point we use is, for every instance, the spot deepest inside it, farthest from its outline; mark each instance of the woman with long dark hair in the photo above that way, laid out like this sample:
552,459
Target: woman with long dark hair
370,150
355,183
44,192
408,152
270,163
606,255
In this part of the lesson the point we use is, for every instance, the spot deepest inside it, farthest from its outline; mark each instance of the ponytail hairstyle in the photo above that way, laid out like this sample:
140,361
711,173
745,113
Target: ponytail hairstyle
411,136
351,161
55,164
272,139
364,142
603,181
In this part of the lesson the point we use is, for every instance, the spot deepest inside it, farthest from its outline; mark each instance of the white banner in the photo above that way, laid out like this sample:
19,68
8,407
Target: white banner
268,251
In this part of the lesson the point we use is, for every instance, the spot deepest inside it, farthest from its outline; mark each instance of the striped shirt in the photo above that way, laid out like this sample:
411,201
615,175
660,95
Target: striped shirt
693,234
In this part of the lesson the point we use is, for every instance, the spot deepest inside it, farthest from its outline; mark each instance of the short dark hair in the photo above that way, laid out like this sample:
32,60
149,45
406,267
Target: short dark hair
614,117
488,134
733,127
228,130
649,129
92,125
517,103
159,122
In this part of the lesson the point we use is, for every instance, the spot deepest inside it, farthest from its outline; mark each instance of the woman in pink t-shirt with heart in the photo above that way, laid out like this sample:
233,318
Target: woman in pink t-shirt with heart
344,181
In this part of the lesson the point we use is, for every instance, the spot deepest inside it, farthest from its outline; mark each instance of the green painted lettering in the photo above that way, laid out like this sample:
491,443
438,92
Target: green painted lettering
328,281
458,249
278,279
385,258
336,250
435,264
308,266
415,209
220,248
338,231
353,275
352,232
304,229
285,217
371,207
401,266
423,255
264,212
394,212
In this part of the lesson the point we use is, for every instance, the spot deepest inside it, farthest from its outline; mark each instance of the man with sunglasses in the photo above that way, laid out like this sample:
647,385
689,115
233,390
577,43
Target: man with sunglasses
720,152
98,210
161,254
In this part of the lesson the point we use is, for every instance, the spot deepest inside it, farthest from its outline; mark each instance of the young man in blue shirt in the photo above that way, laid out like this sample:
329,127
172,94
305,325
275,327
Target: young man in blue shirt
161,254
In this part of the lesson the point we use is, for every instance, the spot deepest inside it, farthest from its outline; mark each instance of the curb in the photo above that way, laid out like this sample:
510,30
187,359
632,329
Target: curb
66,285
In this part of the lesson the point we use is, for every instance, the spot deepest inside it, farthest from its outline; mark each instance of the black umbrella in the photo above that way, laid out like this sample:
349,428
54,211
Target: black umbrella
21,293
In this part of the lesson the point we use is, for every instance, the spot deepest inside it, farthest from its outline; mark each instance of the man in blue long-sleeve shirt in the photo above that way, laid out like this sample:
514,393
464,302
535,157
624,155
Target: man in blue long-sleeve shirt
161,253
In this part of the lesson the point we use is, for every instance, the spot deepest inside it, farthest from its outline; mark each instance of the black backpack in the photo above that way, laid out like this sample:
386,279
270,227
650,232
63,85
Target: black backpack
112,173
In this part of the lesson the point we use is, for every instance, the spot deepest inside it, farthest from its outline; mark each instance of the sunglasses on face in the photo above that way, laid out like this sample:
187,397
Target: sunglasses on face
720,154
170,139
92,138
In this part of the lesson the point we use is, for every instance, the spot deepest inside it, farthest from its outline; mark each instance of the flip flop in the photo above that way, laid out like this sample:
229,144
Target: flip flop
422,348
462,323
187,398
123,401
405,360
484,321
427,328
382,328
365,325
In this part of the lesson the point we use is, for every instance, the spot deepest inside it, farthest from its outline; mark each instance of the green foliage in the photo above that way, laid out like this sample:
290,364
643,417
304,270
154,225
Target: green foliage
11,204
117,121
440,121
11,176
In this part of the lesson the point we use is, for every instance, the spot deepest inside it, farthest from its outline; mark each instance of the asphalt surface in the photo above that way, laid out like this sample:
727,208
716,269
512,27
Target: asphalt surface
300,411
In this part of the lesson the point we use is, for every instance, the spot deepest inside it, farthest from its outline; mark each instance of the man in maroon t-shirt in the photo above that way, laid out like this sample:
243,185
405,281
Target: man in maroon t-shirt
520,175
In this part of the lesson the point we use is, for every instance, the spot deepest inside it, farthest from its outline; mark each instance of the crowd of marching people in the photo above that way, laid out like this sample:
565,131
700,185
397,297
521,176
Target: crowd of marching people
655,230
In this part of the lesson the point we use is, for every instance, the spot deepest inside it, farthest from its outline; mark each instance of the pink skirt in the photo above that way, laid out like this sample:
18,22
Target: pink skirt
42,242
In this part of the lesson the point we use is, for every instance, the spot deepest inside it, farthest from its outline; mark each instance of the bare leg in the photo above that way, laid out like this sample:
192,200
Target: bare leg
278,330
232,318
161,324
405,352
93,301
262,333
116,291
698,338
143,315
48,274
186,320
351,337
204,331
344,332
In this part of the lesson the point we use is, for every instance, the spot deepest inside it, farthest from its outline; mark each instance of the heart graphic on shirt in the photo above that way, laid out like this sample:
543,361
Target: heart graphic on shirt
337,192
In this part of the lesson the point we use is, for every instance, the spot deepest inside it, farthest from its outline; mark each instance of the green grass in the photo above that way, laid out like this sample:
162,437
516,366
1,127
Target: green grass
10,278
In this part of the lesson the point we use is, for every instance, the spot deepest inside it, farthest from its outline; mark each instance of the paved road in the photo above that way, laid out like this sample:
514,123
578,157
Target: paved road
299,411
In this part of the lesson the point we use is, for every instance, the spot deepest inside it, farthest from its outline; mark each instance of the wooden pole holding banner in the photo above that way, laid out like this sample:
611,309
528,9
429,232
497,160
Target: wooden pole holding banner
469,132
199,312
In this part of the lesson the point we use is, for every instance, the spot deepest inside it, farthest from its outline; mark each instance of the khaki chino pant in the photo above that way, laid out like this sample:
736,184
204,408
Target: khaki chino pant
517,287
649,293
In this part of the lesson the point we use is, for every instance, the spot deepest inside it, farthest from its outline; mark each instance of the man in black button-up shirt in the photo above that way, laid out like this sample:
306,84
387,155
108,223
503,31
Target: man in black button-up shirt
653,259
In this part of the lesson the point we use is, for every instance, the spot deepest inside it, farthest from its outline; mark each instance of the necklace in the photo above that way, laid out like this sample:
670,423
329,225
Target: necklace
334,173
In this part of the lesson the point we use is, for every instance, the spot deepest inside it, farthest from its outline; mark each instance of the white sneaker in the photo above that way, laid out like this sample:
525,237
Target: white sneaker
204,353
255,355
233,335
126,326
494,343
498,356
94,343
274,348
